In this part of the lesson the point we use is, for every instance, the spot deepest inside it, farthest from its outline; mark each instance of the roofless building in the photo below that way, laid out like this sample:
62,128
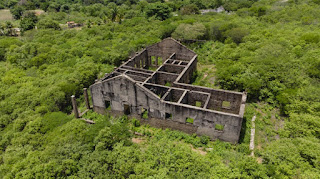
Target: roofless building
163,97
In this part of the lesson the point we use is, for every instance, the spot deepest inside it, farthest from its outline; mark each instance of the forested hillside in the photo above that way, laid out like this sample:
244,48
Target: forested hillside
269,48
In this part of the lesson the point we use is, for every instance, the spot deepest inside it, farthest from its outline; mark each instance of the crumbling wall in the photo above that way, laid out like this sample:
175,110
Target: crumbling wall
169,46
140,60
217,98
187,74
171,68
164,94
206,121
165,78
121,91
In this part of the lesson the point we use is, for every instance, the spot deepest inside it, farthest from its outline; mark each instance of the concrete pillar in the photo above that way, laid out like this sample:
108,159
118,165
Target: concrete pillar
74,105
86,98
253,131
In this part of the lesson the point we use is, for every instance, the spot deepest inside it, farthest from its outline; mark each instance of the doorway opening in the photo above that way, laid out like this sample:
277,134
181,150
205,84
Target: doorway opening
126,109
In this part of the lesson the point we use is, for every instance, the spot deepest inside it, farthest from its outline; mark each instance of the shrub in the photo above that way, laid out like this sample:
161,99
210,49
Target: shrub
311,37
189,9
17,12
48,24
204,139
135,122
187,31
53,120
29,21
160,10
237,34
145,114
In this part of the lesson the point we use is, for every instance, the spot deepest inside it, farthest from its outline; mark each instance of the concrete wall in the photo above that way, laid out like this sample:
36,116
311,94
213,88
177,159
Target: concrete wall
172,68
167,47
186,75
122,91
132,89
162,78
217,97
140,60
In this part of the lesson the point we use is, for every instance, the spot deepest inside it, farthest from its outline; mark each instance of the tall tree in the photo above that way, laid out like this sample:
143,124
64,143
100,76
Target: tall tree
17,12
28,22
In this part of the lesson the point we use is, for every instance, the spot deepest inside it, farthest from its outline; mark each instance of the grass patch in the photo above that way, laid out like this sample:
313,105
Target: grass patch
226,104
5,15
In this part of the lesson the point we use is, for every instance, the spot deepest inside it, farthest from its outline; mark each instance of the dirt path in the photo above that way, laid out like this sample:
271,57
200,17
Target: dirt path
137,140
198,150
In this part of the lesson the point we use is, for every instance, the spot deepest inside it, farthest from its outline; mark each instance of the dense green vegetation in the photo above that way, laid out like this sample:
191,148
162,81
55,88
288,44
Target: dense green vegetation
268,48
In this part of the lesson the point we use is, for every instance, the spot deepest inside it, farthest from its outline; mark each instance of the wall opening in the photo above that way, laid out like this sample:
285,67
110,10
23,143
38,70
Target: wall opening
159,61
144,113
168,116
153,60
107,104
189,120
226,104
219,127
126,109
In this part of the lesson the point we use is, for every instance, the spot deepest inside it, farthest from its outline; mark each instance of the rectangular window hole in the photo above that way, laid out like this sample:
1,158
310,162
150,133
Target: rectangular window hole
168,116
159,61
107,104
153,60
226,104
219,127
189,120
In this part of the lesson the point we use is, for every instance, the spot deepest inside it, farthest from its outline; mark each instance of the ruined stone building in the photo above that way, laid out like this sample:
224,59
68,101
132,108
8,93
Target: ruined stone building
153,86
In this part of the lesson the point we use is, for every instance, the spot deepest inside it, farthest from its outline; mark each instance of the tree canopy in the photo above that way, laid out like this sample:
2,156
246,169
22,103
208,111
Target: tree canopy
270,49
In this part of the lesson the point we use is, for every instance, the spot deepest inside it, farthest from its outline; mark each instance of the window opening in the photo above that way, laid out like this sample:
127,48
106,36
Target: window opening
226,104
219,127
107,104
189,120
168,116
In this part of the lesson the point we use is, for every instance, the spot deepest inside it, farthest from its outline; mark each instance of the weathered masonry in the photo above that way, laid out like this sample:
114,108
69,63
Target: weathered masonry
163,98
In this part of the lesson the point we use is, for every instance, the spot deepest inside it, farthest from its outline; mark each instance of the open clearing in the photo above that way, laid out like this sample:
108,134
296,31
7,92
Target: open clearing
5,15
38,12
